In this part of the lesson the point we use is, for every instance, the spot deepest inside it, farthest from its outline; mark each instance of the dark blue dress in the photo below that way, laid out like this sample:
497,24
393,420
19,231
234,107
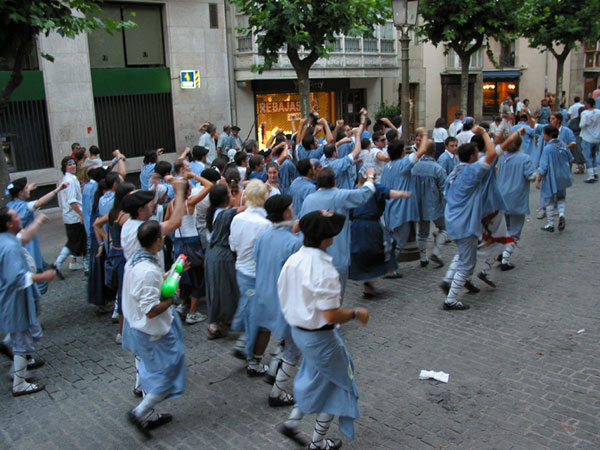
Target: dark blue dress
368,257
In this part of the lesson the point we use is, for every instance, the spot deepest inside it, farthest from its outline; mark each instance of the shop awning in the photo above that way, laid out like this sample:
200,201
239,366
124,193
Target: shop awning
498,74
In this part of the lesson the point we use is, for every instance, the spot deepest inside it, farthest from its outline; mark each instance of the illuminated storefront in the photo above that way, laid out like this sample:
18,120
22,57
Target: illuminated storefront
497,85
276,100
276,109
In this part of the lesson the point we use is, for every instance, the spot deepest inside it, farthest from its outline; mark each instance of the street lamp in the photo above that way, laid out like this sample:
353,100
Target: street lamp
405,17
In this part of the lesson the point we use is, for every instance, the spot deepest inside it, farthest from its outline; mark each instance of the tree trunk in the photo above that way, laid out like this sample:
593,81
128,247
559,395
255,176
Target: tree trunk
304,91
560,66
465,60
302,68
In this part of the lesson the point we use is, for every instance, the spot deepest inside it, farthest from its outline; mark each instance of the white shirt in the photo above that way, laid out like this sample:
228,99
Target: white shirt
245,229
206,140
130,243
439,134
495,129
307,286
378,164
590,125
455,128
68,196
464,137
242,171
141,293
574,110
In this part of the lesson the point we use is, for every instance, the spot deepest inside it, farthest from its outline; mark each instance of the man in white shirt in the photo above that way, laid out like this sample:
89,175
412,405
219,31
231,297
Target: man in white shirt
464,137
71,201
573,111
152,332
590,137
309,294
456,126
208,140
246,227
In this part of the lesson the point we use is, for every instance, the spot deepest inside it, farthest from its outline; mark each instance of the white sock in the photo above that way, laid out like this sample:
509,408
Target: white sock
590,173
255,362
293,420
147,405
487,265
508,249
20,373
64,254
138,385
440,240
451,270
285,375
422,244
457,284
322,424
550,215
561,207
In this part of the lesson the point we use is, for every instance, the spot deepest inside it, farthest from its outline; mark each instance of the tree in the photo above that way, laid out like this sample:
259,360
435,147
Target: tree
306,26
21,21
557,26
465,27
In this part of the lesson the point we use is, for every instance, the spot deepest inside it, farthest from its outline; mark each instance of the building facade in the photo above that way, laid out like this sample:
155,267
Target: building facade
126,90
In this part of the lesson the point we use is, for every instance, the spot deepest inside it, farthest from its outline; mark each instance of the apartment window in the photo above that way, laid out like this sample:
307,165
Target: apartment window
453,61
386,35
592,55
140,46
213,15
507,54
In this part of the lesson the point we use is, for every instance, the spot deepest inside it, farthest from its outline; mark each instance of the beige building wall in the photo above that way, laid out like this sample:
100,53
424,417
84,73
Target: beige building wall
69,99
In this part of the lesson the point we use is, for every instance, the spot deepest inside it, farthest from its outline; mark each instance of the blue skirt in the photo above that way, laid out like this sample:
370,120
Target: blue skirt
162,365
325,381
369,258
114,269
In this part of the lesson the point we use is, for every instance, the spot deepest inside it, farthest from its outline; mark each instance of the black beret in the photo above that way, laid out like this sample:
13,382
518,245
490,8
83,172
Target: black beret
322,224
132,202
276,205
17,186
211,175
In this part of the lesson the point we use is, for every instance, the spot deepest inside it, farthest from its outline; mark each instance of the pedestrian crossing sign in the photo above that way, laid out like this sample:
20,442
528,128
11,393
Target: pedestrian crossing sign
190,79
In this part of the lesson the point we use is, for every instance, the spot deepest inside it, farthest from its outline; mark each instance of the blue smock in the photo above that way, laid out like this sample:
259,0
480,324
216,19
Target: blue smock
397,175
514,171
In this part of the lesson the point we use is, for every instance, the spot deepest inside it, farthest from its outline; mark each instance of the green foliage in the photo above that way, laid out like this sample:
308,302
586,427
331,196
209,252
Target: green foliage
550,24
463,26
307,25
388,110
22,20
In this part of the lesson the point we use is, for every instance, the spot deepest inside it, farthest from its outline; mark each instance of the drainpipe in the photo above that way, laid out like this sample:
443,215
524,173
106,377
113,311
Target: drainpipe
230,64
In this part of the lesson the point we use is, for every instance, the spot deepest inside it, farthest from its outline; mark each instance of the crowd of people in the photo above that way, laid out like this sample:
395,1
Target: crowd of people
271,237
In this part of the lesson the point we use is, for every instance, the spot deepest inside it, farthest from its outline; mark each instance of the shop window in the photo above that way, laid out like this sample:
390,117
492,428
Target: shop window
276,110
140,46
494,93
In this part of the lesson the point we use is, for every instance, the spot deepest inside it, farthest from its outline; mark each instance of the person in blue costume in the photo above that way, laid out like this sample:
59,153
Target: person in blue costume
148,165
18,295
449,159
95,174
343,167
528,140
162,170
399,213
271,250
554,177
515,171
198,162
108,231
370,258
302,186
463,213
244,231
309,147
20,191
429,179
152,331
309,294
256,168
328,196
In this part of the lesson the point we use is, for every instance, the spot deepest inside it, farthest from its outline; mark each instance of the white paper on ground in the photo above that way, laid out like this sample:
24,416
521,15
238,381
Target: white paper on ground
439,376
581,331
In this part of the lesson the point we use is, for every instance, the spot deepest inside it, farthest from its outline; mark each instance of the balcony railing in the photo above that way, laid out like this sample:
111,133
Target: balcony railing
340,45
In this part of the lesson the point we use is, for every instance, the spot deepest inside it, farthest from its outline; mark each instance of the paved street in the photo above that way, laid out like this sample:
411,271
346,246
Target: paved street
522,375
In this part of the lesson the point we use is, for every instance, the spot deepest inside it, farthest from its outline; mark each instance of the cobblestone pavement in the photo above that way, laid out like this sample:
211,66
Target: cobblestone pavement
523,373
